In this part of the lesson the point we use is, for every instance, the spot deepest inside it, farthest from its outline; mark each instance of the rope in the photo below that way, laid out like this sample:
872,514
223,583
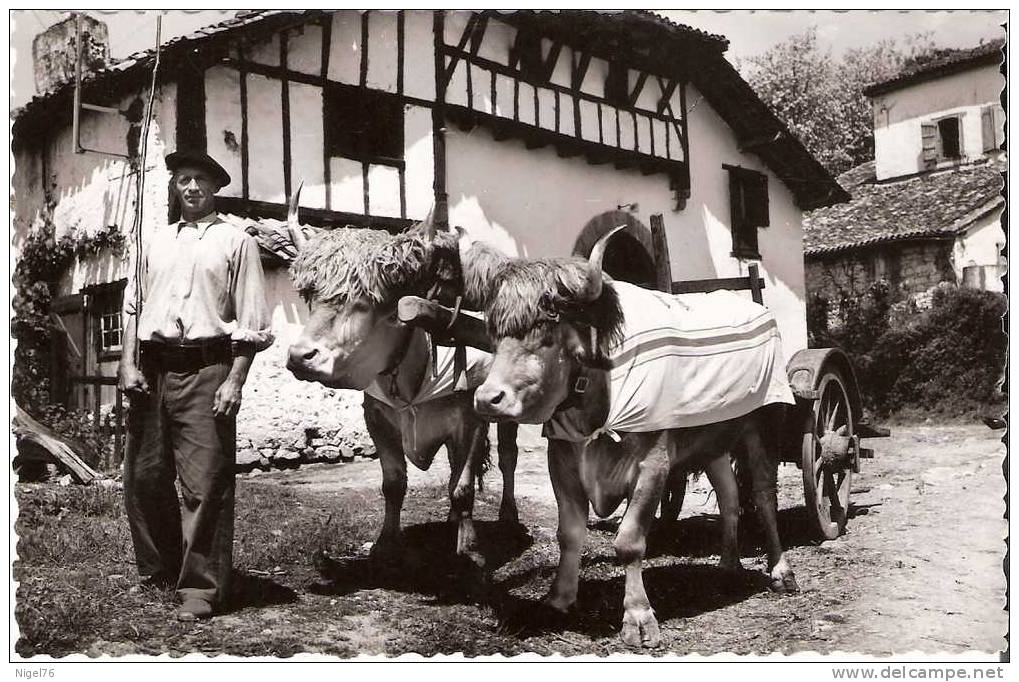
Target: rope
140,184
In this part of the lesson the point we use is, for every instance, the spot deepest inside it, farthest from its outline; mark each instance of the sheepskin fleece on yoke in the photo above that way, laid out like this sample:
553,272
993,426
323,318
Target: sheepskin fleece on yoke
687,360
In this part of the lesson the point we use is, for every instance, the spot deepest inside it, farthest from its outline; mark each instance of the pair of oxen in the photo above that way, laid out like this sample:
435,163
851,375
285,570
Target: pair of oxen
550,322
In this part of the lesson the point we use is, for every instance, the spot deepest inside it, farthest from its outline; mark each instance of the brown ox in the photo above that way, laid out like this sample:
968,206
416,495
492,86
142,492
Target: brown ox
552,322
352,280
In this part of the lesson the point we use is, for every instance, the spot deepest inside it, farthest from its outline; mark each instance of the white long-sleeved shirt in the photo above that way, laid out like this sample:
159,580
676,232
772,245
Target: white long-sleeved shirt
201,280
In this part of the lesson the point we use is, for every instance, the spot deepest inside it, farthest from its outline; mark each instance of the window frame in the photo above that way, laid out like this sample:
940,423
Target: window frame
747,219
98,306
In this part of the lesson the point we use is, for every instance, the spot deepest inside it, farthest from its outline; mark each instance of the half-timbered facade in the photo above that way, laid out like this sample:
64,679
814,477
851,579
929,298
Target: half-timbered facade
537,131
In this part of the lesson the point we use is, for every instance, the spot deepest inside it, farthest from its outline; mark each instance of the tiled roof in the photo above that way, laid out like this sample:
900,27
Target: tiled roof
931,205
941,63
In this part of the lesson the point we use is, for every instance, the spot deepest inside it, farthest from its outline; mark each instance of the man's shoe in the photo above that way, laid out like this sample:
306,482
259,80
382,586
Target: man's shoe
194,609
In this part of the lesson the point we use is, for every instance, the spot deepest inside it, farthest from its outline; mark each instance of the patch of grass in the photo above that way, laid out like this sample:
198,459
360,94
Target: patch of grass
287,529
69,526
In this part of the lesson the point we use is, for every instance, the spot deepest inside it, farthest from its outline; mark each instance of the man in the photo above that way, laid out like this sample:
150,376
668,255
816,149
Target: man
202,317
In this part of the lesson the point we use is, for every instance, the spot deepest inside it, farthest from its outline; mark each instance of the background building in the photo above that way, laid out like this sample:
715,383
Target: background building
928,208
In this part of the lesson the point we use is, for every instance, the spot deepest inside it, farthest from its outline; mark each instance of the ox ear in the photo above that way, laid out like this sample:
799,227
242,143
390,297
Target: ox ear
293,224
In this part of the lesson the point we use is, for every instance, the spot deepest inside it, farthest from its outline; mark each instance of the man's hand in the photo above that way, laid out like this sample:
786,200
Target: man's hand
131,380
227,400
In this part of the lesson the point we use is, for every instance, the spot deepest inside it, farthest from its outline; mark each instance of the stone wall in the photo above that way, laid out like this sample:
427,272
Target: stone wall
910,268
284,422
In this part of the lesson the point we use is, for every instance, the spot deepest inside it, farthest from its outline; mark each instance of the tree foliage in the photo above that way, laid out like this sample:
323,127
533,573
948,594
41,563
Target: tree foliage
820,97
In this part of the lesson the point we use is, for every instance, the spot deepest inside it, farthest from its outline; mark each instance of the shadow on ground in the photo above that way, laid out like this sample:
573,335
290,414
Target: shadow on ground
677,591
429,563
252,591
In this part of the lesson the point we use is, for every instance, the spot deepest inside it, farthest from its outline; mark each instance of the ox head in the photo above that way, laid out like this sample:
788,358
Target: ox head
548,319
352,280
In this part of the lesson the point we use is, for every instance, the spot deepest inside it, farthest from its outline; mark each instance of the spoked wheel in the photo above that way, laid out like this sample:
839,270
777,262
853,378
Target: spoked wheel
828,453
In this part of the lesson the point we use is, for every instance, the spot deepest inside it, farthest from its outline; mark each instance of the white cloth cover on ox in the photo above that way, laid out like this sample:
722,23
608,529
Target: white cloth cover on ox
687,360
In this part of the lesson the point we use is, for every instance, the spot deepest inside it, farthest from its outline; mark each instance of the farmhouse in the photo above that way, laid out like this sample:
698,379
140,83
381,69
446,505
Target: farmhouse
536,131
928,208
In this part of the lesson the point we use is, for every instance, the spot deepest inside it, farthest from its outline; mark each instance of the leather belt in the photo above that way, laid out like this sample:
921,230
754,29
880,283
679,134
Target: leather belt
187,356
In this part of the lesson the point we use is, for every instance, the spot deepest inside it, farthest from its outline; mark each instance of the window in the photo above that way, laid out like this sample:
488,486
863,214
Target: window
104,311
941,140
748,198
948,136
364,125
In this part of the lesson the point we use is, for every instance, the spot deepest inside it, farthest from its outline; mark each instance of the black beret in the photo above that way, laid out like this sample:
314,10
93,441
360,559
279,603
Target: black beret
183,157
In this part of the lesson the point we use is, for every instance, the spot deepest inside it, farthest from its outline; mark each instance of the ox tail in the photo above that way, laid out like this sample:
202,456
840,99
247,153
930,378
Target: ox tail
482,458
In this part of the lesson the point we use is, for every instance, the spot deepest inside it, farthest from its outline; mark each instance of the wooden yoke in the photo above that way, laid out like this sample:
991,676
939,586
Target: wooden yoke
439,321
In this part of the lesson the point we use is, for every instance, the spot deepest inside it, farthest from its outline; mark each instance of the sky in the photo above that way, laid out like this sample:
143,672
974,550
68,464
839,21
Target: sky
749,32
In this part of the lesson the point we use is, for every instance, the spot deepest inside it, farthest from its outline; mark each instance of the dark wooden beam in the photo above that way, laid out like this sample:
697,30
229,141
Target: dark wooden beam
705,286
635,93
248,208
667,88
660,243
285,112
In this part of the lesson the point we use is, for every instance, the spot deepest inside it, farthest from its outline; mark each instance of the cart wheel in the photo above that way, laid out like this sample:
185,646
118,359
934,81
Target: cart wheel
827,478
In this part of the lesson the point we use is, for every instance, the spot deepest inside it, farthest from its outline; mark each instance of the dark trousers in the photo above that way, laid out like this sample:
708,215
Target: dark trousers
173,434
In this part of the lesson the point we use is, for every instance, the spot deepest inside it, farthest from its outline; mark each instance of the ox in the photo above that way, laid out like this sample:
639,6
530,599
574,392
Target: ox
352,280
554,324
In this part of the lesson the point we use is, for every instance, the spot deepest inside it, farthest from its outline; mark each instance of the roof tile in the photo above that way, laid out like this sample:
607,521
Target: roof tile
927,205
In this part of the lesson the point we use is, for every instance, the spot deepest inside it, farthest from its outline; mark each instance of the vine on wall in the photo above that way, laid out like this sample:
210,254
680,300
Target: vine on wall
42,262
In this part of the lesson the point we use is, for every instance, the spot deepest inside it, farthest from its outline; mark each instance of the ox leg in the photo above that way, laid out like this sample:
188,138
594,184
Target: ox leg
573,507
507,434
464,455
394,480
639,623
722,479
764,477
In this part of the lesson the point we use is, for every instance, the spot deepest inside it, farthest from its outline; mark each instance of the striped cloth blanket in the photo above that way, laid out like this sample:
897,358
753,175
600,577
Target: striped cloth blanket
687,360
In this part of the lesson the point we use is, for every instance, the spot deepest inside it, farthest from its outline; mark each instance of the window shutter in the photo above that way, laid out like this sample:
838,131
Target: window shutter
758,208
987,127
929,143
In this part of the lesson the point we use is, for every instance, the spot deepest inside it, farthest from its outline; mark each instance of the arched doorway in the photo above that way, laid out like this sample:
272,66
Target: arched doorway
630,254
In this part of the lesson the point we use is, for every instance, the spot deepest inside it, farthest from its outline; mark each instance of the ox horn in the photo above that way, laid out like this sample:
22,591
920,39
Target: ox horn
594,279
427,225
294,227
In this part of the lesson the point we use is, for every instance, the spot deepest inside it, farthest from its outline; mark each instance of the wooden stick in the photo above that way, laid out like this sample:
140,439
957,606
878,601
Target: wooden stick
435,319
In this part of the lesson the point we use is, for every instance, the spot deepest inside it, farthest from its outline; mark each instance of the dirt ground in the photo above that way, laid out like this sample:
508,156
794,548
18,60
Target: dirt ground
919,569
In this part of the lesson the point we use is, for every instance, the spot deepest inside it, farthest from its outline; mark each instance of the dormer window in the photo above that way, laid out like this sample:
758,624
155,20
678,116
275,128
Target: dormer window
941,140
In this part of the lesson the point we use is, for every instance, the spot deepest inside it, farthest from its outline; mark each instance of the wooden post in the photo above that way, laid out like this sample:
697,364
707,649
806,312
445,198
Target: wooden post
118,439
755,284
663,271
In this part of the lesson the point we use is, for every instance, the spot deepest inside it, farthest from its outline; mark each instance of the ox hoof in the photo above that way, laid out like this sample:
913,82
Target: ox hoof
783,579
640,628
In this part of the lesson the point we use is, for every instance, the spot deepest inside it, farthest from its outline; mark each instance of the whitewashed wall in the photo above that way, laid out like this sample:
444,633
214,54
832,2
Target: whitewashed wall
534,203
981,246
